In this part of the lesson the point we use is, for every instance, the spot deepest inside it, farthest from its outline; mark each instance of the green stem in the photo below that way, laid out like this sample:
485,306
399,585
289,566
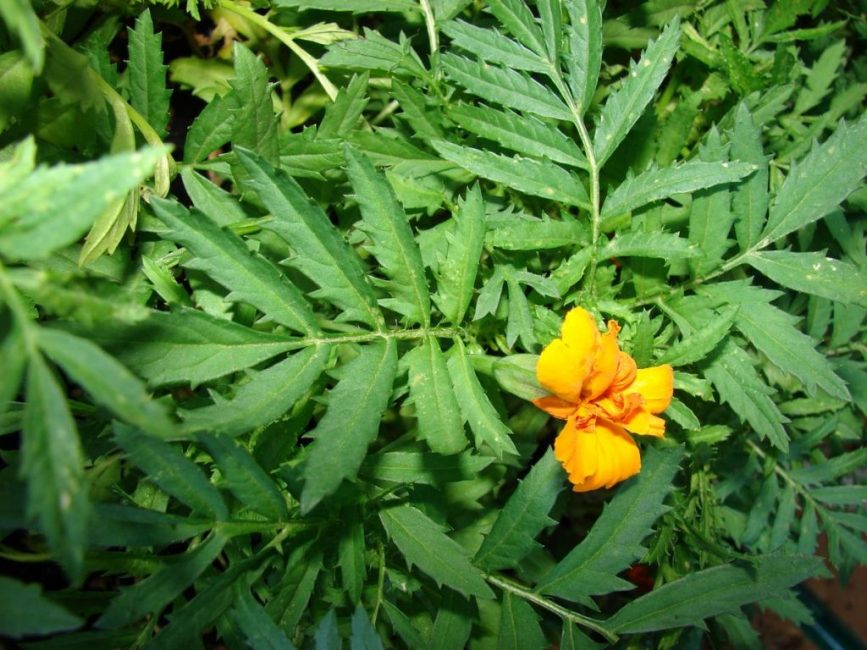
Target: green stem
432,36
544,603
280,34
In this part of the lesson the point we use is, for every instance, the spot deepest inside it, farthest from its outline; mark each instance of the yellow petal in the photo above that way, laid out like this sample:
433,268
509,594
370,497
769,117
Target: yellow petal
579,332
617,457
656,387
626,370
605,363
561,370
642,422
555,406
575,448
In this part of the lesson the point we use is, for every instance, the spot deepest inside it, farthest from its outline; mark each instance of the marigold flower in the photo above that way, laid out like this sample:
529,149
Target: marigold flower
603,397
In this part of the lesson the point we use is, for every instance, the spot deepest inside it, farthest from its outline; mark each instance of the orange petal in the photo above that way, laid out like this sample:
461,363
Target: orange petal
642,422
656,387
561,370
605,363
626,370
553,405
617,457
576,450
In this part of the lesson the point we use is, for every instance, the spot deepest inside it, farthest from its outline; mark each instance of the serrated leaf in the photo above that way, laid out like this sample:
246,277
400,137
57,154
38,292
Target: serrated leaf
523,134
475,407
614,542
517,18
572,638
292,594
519,323
151,595
327,636
211,129
749,198
106,380
625,105
519,626
813,273
424,544
342,115
585,45
355,6
657,184
27,612
166,466
268,395
54,206
22,21
425,122
551,18
350,423
533,234
208,198
816,185
739,385
321,254
509,88
375,53
490,45
117,525
719,590
250,277
364,636
772,331
258,628
425,468
254,125
831,469
650,244
384,221
146,73
524,516
200,346
431,391
453,624
456,276
244,477
53,465
820,77
538,178
350,550
695,346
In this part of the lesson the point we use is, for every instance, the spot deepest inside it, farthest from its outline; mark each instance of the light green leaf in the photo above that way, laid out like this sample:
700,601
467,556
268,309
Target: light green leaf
106,381
268,395
551,17
650,244
364,636
146,73
813,273
533,234
475,406
524,134
166,466
614,542
490,45
424,544
517,18
14,355
254,125
27,612
520,321
22,21
424,468
516,373
211,129
54,206
355,6
425,122
538,178
625,105
519,626
53,465
750,198
456,276
225,258
695,346
154,593
200,346
739,385
820,77
375,53
244,477
657,184
431,391
384,221
585,44
524,516
342,115
719,590
816,185
321,254
351,422
210,199
510,88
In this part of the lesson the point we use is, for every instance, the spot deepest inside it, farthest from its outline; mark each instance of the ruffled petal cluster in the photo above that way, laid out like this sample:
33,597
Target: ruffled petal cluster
603,397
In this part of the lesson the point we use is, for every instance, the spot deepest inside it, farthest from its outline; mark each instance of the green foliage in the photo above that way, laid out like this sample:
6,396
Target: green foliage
269,327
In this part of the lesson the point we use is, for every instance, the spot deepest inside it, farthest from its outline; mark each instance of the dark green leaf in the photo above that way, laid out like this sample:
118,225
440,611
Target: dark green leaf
418,467
695,346
364,636
375,53
27,612
517,18
453,623
350,549
22,21
211,129
519,626
254,622
327,636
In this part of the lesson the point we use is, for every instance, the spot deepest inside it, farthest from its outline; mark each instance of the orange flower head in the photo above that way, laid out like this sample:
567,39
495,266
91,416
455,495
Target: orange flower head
603,397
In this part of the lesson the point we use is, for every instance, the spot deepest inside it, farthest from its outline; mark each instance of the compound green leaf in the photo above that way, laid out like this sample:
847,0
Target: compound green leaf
321,254
146,73
490,45
342,115
625,105
813,273
424,544
519,20
750,198
384,221
695,346
254,125
665,246
524,516
614,542
351,422
27,612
